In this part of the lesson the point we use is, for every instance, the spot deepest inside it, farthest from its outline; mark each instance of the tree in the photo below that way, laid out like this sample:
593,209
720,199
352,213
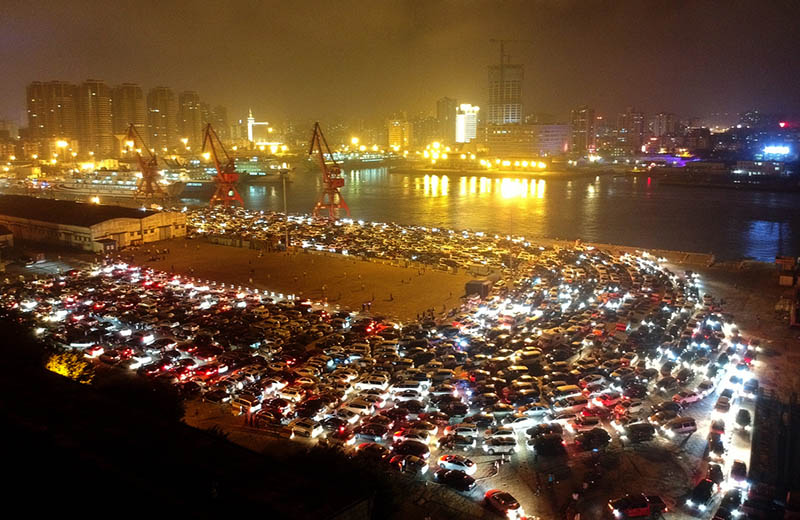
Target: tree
72,365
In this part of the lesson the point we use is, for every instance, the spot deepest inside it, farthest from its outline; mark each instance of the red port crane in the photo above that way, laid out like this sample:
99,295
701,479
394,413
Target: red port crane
148,186
226,178
330,200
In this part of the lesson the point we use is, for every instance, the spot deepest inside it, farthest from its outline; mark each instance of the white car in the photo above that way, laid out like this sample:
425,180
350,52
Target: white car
305,428
630,406
457,462
686,397
359,406
463,429
291,393
348,415
536,409
499,445
520,421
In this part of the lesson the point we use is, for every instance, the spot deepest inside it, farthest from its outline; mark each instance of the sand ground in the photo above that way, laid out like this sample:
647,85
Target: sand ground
397,292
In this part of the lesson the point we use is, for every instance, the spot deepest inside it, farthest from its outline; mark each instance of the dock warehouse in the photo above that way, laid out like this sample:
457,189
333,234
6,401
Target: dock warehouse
91,227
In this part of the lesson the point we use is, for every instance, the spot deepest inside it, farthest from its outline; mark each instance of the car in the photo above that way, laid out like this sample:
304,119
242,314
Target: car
636,506
723,405
499,445
305,427
412,447
594,439
715,474
705,388
667,406
628,406
743,418
583,423
638,432
730,501
636,391
686,397
701,496
607,399
371,432
750,388
459,442
549,445
503,503
716,446
455,479
739,473
519,421
372,451
409,464
463,429
666,384
662,417
457,462
500,431
544,429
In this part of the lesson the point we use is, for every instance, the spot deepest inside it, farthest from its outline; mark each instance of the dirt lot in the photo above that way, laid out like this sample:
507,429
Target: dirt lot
398,292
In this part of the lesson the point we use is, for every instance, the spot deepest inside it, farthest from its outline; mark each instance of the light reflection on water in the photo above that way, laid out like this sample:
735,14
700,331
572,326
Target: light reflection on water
632,211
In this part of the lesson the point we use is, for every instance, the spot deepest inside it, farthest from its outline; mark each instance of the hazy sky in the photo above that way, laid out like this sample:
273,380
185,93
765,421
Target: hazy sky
358,58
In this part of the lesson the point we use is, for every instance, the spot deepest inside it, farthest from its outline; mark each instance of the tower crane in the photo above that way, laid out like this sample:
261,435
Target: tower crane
330,200
148,186
226,178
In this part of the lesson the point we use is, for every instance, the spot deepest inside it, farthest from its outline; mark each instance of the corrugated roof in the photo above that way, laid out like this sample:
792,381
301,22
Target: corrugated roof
65,211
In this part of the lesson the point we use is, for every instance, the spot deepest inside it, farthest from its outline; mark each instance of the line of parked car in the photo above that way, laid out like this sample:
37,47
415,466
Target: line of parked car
575,340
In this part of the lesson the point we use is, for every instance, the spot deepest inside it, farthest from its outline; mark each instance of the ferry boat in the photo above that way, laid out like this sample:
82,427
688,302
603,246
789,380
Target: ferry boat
109,184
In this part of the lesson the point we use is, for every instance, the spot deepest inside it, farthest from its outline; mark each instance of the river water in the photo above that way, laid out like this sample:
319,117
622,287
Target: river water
633,211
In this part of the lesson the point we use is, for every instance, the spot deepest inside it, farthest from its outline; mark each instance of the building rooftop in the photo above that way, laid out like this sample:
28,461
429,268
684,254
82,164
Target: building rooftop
65,211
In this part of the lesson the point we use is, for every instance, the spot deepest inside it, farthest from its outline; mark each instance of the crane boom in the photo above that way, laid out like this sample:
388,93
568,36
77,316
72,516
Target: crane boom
330,200
148,186
226,178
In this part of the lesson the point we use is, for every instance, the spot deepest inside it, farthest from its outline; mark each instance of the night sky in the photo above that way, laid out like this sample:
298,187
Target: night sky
362,58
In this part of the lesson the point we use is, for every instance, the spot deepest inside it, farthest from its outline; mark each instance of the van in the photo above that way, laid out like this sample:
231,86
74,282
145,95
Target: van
245,403
680,425
564,391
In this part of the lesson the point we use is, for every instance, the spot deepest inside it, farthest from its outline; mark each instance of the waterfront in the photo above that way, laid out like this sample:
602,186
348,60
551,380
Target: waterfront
634,211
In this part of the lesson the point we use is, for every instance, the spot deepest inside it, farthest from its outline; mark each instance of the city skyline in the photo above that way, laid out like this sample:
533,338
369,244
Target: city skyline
605,55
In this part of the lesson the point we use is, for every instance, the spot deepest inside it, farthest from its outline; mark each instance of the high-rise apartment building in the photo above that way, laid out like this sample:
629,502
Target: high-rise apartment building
95,131
219,120
399,132
162,118
446,109
128,106
190,118
466,123
664,123
51,110
505,93
582,123
631,129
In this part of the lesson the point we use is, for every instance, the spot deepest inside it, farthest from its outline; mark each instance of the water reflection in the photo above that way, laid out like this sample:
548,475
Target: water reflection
602,209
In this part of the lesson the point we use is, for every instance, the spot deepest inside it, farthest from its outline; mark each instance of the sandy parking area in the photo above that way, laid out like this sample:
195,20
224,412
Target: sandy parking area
396,292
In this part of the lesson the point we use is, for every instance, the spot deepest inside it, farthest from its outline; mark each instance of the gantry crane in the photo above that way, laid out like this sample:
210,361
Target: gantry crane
226,178
148,186
330,200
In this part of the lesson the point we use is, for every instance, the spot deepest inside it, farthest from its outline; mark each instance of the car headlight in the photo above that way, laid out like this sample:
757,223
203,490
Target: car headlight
701,507
689,503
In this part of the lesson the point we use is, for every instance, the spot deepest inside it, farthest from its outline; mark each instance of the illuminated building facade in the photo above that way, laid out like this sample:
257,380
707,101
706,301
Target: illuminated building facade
505,94
466,126
95,127
162,118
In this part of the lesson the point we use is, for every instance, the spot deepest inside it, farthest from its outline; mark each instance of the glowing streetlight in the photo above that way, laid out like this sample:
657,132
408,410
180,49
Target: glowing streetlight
185,141
207,156
354,141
